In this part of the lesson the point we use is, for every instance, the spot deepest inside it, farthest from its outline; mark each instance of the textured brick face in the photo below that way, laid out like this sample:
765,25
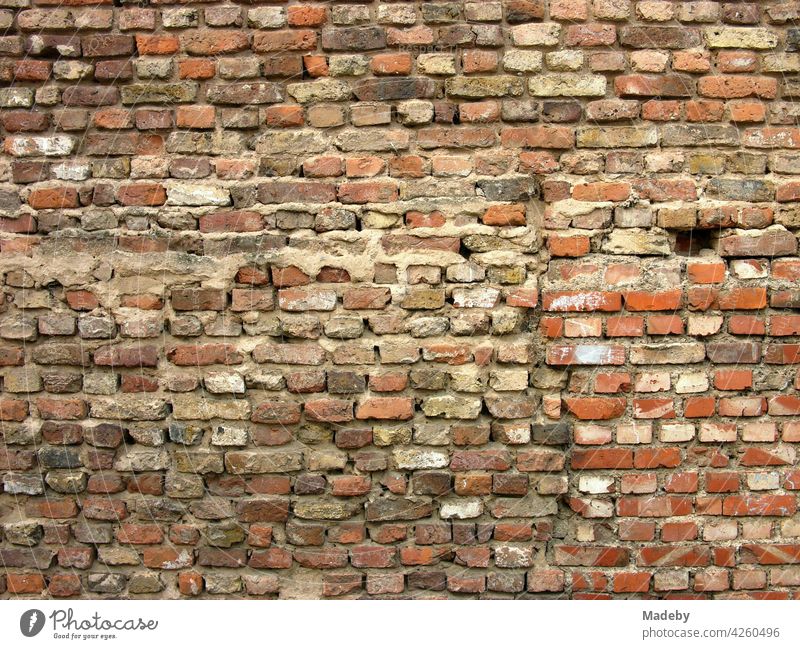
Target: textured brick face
400,299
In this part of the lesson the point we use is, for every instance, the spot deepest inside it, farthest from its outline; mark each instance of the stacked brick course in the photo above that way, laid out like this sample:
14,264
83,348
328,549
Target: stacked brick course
400,299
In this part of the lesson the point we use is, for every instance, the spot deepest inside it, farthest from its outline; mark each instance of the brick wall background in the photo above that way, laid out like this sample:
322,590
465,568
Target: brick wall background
399,299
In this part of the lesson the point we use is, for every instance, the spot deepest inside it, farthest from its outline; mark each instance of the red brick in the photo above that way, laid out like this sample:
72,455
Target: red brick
759,505
743,298
385,408
196,68
64,585
649,301
157,44
577,301
25,584
739,86
306,16
329,410
283,40
568,246
675,556
210,354
52,199
284,116
602,459
505,215
239,221
601,191
145,194
595,407
391,64
733,379
632,582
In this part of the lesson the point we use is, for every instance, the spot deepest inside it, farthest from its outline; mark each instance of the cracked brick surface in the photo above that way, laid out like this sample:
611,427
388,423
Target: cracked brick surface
399,299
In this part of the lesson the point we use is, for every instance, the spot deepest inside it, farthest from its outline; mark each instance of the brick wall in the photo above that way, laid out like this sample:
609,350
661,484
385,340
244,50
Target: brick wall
397,299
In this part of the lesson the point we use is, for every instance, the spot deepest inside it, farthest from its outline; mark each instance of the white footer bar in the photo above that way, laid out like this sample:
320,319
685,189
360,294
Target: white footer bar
398,624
